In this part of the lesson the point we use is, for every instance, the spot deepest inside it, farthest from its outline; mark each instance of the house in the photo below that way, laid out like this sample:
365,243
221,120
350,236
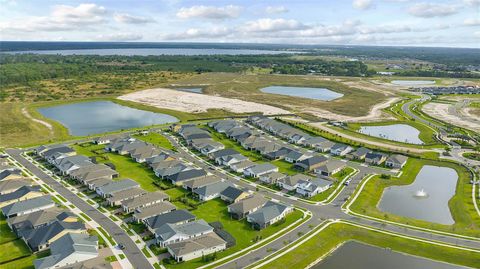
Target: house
129,146
194,184
40,218
142,213
268,147
290,183
173,217
295,156
260,169
330,167
8,186
117,198
68,164
217,155
272,178
207,146
227,160
10,174
196,247
232,194
340,149
172,233
41,238
111,188
21,194
396,161
166,168
310,163
211,191
223,126
101,140
94,184
279,154
241,166
69,249
144,200
92,172
162,157
141,156
242,208
375,158
324,146
269,214
185,175
313,141
47,151
194,136
358,154
238,131
28,206
312,187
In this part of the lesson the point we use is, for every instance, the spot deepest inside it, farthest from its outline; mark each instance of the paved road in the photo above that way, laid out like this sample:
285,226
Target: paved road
133,254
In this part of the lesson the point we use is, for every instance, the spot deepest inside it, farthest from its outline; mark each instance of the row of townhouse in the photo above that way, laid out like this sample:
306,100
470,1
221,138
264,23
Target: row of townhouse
321,144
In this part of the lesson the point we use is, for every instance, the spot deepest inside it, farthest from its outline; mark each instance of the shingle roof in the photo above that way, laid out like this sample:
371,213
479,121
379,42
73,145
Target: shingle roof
145,199
224,152
200,182
313,160
247,204
7,173
231,192
215,188
168,230
170,217
153,210
268,212
259,168
13,185
25,205
39,236
19,193
196,244
187,174
42,217
116,186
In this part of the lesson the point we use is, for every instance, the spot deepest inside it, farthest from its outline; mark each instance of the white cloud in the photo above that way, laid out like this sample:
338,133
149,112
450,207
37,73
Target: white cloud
83,13
472,22
472,3
429,10
196,33
362,4
119,37
476,34
273,25
276,9
209,12
346,28
130,19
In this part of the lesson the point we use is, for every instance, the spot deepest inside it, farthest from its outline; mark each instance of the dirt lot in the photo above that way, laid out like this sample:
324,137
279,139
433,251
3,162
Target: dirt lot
450,114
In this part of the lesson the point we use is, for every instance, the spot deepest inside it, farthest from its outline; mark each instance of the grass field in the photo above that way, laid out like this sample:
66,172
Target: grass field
337,234
156,139
245,235
6,233
466,219
16,249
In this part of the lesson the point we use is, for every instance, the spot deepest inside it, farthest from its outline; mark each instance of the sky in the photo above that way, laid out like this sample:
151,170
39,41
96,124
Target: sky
443,23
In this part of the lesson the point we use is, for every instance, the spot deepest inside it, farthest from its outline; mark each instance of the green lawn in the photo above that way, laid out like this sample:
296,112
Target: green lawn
26,262
241,230
7,235
156,139
461,206
339,176
13,250
126,167
176,193
339,233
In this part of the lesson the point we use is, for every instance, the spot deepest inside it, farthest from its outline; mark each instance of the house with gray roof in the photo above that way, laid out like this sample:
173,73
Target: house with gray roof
311,163
92,172
238,131
117,198
330,167
27,206
41,238
94,184
163,156
69,249
211,191
196,247
194,136
111,188
242,208
295,156
232,194
340,149
193,184
143,213
10,174
174,217
241,166
23,193
290,183
8,186
375,158
223,126
48,151
105,139
207,146
396,161
313,141
358,154
40,218
185,175
141,156
144,200
269,214
272,178
172,233
168,168
227,160
312,187
324,146
260,169
222,153
278,154
68,164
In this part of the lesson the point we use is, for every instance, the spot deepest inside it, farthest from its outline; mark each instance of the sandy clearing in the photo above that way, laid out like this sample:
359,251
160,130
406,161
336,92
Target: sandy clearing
447,112
196,103
44,123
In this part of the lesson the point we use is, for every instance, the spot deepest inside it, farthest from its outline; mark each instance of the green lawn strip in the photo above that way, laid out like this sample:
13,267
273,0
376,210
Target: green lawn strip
109,238
13,250
6,233
156,139
146,253
101,241
61,198
85,216
472,155
48,188
176,193
122,256
112,258
112,217
26,262
461,206
339,176
125,166
241,230
339,233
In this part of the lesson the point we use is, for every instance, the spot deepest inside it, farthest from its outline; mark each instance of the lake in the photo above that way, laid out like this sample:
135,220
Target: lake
395,132
153,51
439,184
305,92
355,255
412,82
97,117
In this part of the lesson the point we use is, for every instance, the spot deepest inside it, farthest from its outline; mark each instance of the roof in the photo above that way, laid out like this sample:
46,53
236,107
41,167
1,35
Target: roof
268,212
25,205
293,180
145,199
188,229
38,218
224,152
13,185
6,173
176,216
274,175
187,174
19,193
397,158
339,146
212,189
60,149
375,155
200,182
331,165
69,244
264,167
325,144
153,210
41,235
313,160
99,182
120,185
243,164
231,192
126,194
361,151
315,140
294,155
247,204
196,244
